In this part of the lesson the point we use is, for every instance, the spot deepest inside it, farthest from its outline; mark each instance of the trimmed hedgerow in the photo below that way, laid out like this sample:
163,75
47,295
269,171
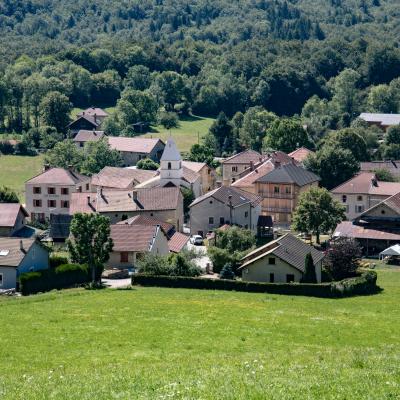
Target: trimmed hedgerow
63,276
55,261
364,284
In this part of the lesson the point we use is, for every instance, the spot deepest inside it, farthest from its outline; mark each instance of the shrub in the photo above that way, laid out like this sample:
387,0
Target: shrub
63,276
219,257
147,164
168,119
55,261
6,147
309,270
226,272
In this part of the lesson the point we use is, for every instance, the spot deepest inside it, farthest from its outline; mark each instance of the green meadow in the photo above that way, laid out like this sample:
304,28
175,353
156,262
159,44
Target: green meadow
158,343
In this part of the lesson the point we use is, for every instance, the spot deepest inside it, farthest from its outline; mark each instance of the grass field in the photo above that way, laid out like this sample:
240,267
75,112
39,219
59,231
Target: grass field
15,170
151,343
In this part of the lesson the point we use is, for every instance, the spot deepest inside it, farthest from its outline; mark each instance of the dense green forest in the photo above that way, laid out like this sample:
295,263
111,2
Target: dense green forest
319,62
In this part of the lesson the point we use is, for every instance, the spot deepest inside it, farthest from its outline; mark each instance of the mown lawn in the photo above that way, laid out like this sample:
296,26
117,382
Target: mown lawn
151,343
16,170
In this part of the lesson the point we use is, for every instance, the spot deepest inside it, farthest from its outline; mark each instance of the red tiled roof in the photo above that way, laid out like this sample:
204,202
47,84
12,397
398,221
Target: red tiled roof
251,177
189,175
300,154
194,166
121,178
145,220
58,176
132,144
9,213
348,229
177,242
133,237
245,157
92,111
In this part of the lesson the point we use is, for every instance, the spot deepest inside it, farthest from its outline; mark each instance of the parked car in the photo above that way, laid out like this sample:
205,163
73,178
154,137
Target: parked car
196,240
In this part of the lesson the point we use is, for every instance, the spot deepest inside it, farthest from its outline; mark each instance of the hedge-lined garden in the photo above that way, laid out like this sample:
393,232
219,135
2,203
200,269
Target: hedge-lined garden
361,285
61,277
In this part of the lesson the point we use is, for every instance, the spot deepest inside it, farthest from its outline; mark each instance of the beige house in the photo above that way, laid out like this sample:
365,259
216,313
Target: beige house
225,205
234,166
12,218
208,175
120,178
280,261
133,241
164,204
133,149
280,190
50,192
362,192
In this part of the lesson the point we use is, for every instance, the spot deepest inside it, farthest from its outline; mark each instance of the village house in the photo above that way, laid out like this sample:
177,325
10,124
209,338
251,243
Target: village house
208,175
362,192
392,166
383,121
133,149
225,205
165,204
18,256
376,228
85,136
300,154
233,167
280,261
96,112
84,122
120,178
50,192
280,190
132,241
12,218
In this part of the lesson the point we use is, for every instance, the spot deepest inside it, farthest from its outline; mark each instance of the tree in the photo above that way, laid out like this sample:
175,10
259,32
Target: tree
286,134
381,99
168,120
188,198
227,272
171,85
148,164
393,135
343,258
333,164
221,129
138,78
309,270
98,155
384,175
235,239
391,152
55,109
90,242
7,195
64,155
317,212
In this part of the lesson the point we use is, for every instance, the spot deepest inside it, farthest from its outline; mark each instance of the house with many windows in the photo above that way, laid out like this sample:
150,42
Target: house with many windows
50,192
362,192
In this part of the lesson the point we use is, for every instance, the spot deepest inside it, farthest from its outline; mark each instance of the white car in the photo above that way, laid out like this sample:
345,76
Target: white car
196,240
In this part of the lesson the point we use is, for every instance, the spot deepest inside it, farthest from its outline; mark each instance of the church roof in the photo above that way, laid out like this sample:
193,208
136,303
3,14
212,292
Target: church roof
171,152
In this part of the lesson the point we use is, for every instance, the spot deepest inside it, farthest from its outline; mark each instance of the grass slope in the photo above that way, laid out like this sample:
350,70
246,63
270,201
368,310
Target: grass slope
152,343
15,170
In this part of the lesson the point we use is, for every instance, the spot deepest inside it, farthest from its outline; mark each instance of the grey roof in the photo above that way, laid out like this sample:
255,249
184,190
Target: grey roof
11,253
289,173
383,119
171,152
88,136
289,249
59,225
239,197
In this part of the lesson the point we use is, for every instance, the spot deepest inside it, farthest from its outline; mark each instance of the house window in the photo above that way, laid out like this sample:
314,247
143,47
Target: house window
289,278
210,220
276,189
359,209
37,190
271,277
359,198
221,220
246,214
37,203
271,261
124,256
288,190
64,204
64,191
87,186
169,165
51,190
1,280
246,226
344,198
51,203
81,144
234,169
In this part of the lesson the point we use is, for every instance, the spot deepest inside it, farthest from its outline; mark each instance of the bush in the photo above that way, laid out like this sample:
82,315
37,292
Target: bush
226,272
168,120
55,261
63,276
6,147
364,284
147,164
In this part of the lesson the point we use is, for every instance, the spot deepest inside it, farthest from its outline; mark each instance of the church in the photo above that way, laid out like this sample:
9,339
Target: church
172,172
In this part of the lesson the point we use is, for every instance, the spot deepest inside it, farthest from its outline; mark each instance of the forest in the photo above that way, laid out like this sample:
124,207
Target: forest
261,66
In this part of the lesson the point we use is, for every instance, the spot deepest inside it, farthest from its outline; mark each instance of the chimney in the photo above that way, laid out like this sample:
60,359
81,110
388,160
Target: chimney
83,112
251,165
21,245
46,167
277,163
70,167
134,195
374,182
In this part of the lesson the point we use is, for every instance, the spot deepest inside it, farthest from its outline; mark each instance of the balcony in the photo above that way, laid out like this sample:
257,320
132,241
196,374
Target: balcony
273,195
277,210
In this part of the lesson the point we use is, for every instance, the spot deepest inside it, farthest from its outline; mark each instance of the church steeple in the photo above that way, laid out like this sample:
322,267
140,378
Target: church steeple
171,170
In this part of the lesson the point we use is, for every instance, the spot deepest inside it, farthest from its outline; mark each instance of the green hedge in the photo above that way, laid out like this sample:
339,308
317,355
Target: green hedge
364,284
56,261
63,276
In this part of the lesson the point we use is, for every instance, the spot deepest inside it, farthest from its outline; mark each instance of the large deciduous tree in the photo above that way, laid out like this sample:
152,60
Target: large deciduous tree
317,212
7,195
55,109
90,242
64,154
